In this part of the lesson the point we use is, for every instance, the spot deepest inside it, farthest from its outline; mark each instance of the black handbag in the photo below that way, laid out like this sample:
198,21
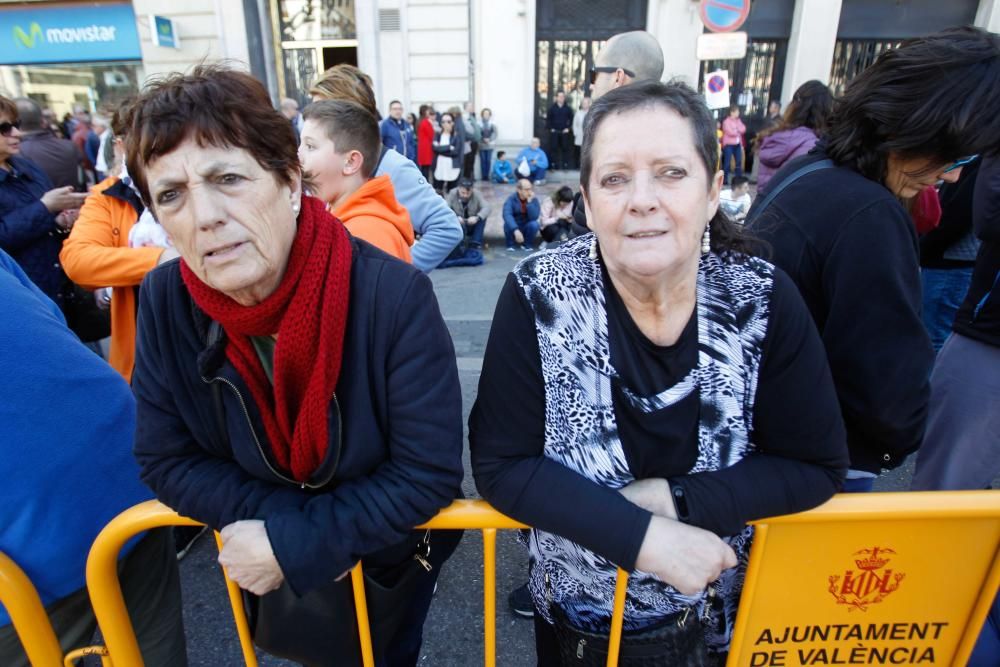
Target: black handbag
320,629
83,316
676,641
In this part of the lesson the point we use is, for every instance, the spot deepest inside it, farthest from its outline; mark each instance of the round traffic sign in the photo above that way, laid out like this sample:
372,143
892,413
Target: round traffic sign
724,15
716,84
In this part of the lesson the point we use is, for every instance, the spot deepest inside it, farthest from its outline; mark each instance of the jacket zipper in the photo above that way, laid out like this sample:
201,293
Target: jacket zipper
260,449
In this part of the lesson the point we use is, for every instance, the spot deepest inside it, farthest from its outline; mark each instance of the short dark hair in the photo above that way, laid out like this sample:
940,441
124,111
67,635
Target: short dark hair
30,114
8,109
466,183
395,102
562,195
122,117
351,127
934,97
216,106
683,100
500,154
739,180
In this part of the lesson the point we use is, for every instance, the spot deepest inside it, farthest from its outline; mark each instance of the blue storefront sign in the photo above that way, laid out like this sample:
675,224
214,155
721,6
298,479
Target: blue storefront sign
65,34
165,32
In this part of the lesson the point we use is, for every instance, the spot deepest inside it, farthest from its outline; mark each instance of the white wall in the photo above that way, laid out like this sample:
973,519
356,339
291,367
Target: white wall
676,25
988,15
208,30
437,40
504,42
810,48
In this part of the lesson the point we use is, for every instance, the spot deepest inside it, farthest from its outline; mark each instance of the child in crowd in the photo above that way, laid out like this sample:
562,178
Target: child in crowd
736,200
339,150
502,171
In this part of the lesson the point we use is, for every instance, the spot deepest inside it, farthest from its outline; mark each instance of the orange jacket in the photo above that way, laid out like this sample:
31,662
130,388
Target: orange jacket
96,254
372,213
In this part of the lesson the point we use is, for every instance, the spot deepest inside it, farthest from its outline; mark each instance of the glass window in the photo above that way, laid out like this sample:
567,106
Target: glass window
99,87
305,20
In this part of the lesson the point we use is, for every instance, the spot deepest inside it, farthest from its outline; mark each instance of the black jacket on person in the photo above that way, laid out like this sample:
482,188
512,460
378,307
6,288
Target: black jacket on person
851,248
397,408
559,118
979,315
59,158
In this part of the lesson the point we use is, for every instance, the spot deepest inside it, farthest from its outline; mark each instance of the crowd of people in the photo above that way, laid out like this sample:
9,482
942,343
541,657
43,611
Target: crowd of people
280,371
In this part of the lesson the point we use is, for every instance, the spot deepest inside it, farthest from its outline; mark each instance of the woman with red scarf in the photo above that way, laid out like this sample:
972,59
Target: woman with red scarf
296,387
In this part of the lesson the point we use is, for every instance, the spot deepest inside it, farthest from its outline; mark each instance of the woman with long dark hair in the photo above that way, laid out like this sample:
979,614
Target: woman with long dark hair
804,122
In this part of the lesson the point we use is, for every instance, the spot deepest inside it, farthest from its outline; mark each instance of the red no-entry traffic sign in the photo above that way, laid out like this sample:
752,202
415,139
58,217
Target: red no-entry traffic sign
724,15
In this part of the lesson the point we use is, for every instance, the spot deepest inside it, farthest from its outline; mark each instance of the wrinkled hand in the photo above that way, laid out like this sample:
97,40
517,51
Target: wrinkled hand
652,495
60,199
686,557
248,558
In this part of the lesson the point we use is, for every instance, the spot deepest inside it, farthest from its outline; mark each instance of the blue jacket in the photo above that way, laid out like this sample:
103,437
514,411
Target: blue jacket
512,215
432,220
541,160
66,426
399,136
397,408
28,232
502,172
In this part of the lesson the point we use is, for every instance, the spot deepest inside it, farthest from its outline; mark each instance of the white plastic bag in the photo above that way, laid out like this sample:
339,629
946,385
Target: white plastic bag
523,168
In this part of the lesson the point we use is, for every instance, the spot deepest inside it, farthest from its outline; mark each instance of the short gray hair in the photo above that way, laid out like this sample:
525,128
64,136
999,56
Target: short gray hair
637,51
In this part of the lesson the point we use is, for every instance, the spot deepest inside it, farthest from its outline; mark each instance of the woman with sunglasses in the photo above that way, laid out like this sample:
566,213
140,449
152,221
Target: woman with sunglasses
447,155
34,216
835,223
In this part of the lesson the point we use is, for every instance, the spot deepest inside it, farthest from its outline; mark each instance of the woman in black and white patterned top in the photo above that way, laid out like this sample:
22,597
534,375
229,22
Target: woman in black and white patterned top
648,389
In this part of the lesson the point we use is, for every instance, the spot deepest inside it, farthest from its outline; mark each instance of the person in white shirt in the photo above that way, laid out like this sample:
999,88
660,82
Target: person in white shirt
578,117
736,200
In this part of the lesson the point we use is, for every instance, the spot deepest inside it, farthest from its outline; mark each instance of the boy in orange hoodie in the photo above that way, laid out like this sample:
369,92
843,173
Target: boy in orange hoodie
339,151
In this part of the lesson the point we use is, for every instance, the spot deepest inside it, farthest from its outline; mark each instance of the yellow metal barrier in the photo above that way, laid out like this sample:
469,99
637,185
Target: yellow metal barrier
788,561
109,605
31,623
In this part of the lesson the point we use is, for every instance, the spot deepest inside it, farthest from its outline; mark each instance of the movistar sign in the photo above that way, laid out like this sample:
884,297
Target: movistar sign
68,34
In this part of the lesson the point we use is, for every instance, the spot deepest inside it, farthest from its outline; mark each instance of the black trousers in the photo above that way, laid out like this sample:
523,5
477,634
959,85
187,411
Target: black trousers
469,161
151,586
560,150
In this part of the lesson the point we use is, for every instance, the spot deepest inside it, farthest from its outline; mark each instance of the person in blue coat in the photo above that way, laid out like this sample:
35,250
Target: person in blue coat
396,133
502,171
537,161
66,426
520,217
34,216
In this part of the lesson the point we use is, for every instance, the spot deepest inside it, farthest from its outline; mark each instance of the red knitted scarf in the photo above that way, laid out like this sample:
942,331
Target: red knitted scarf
308,311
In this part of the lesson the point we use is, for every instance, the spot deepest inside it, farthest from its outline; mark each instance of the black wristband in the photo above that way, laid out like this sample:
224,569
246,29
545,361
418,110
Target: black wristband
680,502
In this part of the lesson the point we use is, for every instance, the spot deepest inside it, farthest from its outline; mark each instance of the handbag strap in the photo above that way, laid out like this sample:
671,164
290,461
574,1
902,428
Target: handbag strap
794,176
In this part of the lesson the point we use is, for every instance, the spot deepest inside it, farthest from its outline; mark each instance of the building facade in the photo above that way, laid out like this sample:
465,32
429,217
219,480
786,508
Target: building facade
509,55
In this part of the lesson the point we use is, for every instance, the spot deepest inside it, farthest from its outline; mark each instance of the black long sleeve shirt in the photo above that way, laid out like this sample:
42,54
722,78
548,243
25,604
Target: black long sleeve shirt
801,453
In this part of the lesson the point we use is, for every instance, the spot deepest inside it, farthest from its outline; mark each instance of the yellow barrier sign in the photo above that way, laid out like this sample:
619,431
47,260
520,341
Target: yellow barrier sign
871,579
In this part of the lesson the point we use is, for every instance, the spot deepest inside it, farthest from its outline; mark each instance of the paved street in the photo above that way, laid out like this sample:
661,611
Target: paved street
454,629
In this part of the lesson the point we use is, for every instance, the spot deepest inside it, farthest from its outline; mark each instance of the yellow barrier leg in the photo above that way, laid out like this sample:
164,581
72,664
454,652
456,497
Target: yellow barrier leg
361,609
239,614
28,615
617,618
490,595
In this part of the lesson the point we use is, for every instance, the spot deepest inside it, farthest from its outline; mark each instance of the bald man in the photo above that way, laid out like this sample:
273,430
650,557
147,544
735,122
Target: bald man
626,57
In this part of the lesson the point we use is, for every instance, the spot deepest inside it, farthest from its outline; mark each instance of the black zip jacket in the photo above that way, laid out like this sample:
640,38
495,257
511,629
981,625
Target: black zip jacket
395,454
851,248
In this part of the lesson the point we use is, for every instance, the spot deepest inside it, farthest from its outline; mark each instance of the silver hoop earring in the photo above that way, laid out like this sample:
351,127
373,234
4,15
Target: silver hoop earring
706,241
593,248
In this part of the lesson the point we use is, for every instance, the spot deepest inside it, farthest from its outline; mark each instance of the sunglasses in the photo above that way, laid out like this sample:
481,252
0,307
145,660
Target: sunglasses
961,162
7,128
594,71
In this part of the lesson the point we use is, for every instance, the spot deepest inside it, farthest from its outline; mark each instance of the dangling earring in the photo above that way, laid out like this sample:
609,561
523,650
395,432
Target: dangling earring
706,240
593,248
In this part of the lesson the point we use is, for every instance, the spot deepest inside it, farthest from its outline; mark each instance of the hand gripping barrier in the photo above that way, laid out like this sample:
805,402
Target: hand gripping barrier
878,554
19,597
